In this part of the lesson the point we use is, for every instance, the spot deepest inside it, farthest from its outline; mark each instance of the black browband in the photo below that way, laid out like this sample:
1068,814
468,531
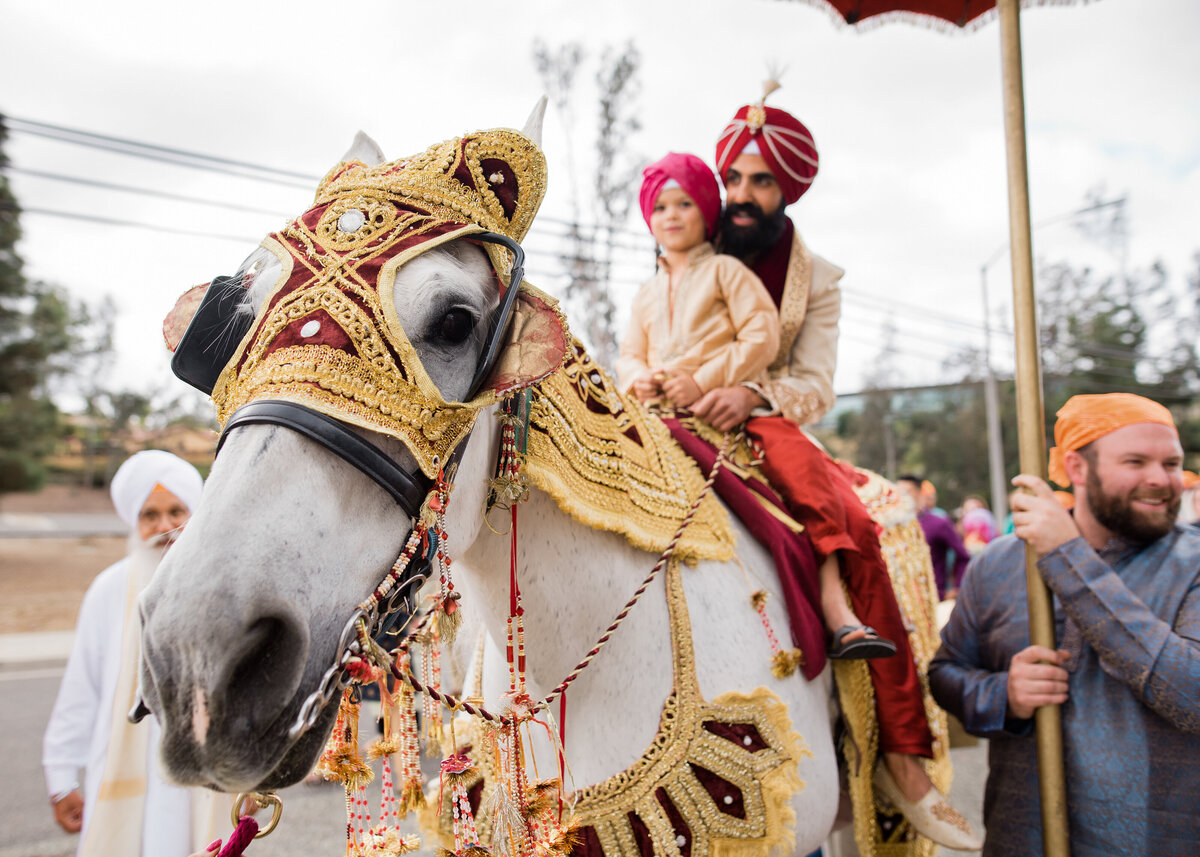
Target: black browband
407,489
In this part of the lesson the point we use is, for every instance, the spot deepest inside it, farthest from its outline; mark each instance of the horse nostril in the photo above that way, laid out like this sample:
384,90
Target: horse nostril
267,664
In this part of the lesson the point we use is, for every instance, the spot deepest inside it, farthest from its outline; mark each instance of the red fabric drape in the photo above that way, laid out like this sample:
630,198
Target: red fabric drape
820,494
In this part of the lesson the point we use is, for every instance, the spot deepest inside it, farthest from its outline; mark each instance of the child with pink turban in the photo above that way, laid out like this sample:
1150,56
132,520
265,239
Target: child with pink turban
704,320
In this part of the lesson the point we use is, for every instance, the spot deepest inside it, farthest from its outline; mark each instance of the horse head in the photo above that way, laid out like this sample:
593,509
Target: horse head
392,311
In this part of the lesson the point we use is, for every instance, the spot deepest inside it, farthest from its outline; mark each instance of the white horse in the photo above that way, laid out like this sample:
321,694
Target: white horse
244,614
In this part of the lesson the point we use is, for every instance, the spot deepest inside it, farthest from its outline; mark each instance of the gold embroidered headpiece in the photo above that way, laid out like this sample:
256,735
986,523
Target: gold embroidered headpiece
328,336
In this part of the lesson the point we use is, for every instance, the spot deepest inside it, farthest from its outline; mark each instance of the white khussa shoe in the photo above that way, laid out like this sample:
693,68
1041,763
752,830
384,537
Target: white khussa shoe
932,816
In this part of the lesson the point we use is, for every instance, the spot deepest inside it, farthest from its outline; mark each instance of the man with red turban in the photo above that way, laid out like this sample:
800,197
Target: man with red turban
767,160
1126,581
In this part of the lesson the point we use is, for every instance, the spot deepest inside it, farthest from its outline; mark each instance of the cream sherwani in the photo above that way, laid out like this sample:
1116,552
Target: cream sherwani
799,384
720,325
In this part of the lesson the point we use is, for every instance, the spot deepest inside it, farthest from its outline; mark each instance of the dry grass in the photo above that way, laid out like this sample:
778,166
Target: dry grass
42,581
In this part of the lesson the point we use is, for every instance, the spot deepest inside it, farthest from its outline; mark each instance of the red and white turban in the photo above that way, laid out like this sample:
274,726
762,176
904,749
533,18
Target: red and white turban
785,144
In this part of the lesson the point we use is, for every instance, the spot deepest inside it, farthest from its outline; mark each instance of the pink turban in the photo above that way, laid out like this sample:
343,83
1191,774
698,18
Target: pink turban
693,176
785,144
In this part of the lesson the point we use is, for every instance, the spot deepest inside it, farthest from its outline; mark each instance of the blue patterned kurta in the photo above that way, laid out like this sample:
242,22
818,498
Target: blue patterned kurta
1130,618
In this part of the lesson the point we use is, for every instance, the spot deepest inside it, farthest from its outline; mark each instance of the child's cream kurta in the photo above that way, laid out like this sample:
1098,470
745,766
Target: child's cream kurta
720,326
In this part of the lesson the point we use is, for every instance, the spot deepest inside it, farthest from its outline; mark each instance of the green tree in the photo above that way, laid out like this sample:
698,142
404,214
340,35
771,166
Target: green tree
1098,334
36,338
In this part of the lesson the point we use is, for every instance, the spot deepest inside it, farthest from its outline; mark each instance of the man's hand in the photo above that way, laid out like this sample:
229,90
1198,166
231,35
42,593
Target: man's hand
1039,518
724,408
68,812
681,389
1036,678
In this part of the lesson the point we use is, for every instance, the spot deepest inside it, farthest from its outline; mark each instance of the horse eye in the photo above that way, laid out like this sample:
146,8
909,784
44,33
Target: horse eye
456,325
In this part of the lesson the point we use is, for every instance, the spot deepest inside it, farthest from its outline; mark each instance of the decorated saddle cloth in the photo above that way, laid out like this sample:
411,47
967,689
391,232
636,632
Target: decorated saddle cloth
611,464
717,779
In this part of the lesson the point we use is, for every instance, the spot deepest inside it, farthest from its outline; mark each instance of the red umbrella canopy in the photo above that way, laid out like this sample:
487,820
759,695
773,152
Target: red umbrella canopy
958,13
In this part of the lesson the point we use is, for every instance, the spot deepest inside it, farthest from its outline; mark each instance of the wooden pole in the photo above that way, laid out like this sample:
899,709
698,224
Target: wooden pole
1030,419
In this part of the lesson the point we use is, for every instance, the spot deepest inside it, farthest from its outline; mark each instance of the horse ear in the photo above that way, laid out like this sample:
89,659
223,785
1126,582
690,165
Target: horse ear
365,150
180,316
536,345
533,125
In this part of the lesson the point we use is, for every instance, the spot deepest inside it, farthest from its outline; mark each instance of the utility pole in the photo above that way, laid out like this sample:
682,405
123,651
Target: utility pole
991,400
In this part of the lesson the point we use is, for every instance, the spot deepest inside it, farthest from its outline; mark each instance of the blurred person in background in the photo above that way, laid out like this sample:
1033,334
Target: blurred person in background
978,524
125,807
942,538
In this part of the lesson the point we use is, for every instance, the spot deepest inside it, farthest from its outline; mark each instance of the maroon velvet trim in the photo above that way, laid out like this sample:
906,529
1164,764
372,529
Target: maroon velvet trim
475,796
737,733
588,844
330,334
677,823
506,189
772,266
641,835
718,789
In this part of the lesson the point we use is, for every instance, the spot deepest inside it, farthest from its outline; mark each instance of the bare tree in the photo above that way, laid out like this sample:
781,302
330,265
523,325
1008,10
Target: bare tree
589,249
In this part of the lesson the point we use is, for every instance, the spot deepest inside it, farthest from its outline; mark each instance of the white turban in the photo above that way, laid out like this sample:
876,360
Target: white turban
137,477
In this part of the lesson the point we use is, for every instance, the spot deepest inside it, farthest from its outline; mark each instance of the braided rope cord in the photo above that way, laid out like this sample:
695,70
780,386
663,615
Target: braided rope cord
654,572
456,704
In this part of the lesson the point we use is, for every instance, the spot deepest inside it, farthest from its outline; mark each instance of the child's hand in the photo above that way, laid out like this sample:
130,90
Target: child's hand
646,387
682,389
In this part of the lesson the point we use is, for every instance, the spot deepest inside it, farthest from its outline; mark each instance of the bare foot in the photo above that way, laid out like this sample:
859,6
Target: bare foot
908,774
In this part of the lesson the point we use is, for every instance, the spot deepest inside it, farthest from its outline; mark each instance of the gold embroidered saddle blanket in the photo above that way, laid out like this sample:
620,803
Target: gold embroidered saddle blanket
612,465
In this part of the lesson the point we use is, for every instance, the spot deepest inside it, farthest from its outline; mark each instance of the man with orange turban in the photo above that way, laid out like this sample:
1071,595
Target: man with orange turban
1126,580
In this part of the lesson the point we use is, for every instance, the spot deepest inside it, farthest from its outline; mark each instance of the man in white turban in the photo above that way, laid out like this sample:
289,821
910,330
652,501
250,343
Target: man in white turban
125,807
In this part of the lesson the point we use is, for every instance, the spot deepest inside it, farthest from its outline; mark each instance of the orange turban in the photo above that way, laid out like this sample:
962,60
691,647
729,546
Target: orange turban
1083,419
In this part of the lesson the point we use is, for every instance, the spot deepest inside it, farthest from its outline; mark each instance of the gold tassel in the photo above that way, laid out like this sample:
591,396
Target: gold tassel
758,599
541,797
411,798
389,746
450,617
785,662
562,841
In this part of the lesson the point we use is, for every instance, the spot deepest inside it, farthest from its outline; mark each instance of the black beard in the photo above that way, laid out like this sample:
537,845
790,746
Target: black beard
1117,515
747,242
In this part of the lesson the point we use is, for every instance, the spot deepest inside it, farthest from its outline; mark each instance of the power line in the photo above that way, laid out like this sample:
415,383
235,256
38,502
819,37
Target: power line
161,154
110,221
81,137
217,163
141,191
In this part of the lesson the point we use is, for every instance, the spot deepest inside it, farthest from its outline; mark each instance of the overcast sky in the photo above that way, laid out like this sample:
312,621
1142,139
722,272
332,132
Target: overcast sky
910,199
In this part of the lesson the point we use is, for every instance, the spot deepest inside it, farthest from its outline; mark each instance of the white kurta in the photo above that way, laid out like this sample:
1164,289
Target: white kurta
77,735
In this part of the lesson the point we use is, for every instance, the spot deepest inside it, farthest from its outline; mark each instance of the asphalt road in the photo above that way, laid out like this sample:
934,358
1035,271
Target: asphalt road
314,816
313,821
